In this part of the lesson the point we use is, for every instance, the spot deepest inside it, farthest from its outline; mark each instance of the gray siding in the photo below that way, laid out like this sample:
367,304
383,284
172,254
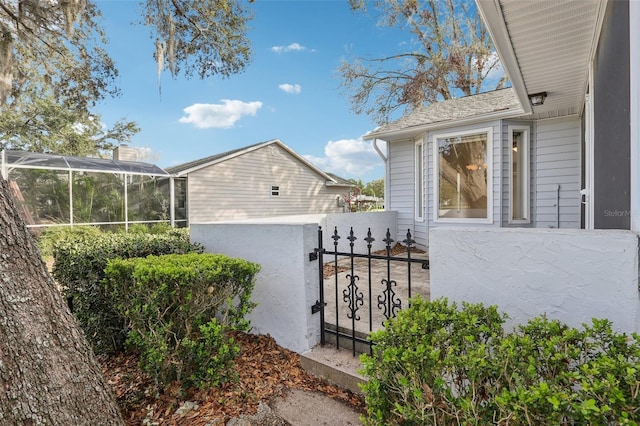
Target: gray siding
556,149
401,197
240,188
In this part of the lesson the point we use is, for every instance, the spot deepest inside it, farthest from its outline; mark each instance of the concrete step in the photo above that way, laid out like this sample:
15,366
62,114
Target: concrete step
336,366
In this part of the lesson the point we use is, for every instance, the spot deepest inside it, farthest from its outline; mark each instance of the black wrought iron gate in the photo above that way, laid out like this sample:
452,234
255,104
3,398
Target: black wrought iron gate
340,311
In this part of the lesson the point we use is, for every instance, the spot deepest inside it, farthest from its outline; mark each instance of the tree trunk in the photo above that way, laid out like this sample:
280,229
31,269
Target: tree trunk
48,374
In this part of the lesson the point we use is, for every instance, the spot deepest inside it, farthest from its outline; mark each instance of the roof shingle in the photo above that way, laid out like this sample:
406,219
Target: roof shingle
454,109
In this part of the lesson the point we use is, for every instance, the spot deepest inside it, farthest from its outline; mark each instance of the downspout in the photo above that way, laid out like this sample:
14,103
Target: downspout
558,207
385,160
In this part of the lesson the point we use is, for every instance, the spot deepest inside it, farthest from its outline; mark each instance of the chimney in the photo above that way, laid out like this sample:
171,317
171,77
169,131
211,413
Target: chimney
125,153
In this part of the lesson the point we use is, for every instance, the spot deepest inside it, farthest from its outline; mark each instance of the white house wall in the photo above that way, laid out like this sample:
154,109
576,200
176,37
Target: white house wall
556,150
240,188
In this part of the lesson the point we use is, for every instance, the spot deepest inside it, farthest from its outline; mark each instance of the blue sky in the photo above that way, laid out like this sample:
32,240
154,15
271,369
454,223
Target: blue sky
290,91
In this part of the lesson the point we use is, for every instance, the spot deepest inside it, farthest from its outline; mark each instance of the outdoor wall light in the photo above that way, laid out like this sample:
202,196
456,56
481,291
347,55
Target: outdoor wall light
537,98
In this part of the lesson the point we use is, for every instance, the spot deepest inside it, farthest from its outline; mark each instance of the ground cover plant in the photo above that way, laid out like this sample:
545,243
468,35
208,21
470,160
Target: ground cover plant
437,363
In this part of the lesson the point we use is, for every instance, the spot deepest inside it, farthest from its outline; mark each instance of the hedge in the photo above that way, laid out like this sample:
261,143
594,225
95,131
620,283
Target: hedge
436,363
180,309
79,264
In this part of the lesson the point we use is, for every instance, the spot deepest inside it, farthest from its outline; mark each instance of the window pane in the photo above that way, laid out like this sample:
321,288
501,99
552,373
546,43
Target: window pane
42,196
518,184
148,198
462,180
180,200
419,182
97,197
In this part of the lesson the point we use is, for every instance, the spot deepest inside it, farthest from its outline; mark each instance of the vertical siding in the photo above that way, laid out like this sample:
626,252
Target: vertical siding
240,188
496,170
557,162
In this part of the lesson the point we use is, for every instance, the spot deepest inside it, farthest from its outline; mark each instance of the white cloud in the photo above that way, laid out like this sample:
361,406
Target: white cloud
348,158
293,47
290,88
221,116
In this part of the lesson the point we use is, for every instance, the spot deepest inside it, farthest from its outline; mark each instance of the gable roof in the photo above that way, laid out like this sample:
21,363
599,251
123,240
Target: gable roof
340,181
192,166
185,168
466,110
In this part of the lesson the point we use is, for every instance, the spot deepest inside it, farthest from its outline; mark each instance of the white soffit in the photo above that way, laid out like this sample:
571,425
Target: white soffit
553,42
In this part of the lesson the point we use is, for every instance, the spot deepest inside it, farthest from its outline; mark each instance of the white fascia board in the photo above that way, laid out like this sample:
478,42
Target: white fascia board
253,148
303,160
333,183
225,158
491,14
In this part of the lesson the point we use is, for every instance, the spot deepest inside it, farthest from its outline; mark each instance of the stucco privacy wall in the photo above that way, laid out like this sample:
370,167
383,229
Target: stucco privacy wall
570,275
361,222
287,284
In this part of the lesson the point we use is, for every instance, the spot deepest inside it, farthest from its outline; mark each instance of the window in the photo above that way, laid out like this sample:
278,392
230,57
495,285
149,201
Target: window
419,184
519,174
462,176
275,191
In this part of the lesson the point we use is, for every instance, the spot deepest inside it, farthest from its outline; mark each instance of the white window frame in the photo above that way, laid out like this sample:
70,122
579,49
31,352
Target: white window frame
436,177
525,173
419,181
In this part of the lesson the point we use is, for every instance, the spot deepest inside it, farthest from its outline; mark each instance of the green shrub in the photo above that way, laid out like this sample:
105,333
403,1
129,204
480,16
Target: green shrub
79,264
562,375
50,236
437,364
153,228
431,365
180,309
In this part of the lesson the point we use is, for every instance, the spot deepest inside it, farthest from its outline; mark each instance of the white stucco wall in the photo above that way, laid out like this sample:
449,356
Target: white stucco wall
287,284
570,275
379,222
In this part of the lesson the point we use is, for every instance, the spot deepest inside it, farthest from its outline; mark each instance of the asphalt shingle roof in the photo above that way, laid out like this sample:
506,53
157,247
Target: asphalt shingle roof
455,109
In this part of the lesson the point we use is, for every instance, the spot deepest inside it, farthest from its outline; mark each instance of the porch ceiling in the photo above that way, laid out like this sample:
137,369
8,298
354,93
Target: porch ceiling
546,46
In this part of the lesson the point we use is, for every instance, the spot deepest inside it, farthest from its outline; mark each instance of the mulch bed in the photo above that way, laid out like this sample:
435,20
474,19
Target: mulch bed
265,371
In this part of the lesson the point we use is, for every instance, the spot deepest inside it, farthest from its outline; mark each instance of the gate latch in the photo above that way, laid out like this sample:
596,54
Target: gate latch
317,307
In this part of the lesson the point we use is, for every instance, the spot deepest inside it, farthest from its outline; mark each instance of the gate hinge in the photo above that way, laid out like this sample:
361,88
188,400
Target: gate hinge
313,255
317,307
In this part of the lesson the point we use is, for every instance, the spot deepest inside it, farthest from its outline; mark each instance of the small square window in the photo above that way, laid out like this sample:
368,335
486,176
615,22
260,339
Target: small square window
275,191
